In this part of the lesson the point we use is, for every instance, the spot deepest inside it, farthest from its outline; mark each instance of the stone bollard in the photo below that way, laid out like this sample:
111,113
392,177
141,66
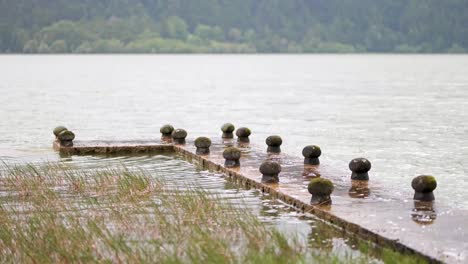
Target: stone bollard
274,144
166,131
227,129
59,129
232,156
203,145
66,138
311,155
320,189
179,136
270,171
243,134
424,186
360,168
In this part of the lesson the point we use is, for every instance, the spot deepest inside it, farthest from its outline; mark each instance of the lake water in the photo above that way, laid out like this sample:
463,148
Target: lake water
406,113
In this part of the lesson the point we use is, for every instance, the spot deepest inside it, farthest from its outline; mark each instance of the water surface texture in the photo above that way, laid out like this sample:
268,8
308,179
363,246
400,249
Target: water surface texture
406,113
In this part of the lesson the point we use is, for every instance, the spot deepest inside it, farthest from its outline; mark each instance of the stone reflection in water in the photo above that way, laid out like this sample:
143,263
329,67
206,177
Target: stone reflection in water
310,172
424,212
65,155
359,189
244,145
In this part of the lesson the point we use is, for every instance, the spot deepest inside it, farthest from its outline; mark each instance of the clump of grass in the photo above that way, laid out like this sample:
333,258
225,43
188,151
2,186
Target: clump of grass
54,213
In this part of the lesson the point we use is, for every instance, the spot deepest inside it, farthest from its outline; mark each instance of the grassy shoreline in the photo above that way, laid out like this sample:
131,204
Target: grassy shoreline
53,213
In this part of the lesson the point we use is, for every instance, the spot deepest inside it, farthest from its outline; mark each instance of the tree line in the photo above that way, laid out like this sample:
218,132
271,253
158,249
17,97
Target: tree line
236,26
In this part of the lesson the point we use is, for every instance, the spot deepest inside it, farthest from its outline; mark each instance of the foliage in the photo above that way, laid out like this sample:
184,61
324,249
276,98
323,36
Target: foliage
54,213
234,26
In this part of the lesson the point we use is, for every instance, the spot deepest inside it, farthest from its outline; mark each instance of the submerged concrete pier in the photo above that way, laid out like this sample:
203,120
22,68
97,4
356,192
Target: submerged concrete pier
383,218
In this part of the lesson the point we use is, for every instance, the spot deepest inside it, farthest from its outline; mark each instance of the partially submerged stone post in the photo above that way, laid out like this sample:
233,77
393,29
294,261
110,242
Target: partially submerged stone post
243,134
66,138
232,156
320,189
311,155
274,144
424,186
270,171
166,131
179,136
360,168
59,129
227,129
203,145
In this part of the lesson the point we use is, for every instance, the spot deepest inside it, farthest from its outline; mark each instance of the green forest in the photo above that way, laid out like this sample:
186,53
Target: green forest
233,26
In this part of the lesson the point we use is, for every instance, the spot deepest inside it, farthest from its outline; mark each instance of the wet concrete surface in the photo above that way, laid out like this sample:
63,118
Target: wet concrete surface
368,210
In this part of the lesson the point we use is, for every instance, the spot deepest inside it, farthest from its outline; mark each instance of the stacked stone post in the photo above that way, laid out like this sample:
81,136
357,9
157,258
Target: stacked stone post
228,130
270,171
424,186
321,190
274,144
203,145
178,136
243,134
232,156
311,155
360,168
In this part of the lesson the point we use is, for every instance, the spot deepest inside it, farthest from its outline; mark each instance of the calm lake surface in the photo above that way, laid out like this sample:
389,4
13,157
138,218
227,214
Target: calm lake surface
406,113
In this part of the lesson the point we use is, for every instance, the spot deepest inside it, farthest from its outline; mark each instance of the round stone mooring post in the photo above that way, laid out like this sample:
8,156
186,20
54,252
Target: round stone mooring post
270,171
203,145
243,134
360,168
166,132
274,144
232,156
424,186
311,155
66,138
59,129
179,135
228,130
321,190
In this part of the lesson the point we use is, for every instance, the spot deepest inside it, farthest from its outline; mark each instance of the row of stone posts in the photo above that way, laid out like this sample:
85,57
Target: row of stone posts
320,188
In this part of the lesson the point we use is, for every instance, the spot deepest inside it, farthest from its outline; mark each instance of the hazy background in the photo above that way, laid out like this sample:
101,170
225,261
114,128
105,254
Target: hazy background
227,26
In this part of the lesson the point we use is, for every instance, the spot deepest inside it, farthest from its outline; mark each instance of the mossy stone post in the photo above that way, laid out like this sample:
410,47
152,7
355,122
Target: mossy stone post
270,171
166,131
179,135
424,186
321,190
243,134
59,129
274,144
227,129
360,168
311,155
66,138
232,156
203,145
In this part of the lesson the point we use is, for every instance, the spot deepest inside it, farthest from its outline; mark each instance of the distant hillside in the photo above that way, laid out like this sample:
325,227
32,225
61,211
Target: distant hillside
165,26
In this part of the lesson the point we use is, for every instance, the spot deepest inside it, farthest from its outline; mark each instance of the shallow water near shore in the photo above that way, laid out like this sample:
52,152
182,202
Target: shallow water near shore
406,113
